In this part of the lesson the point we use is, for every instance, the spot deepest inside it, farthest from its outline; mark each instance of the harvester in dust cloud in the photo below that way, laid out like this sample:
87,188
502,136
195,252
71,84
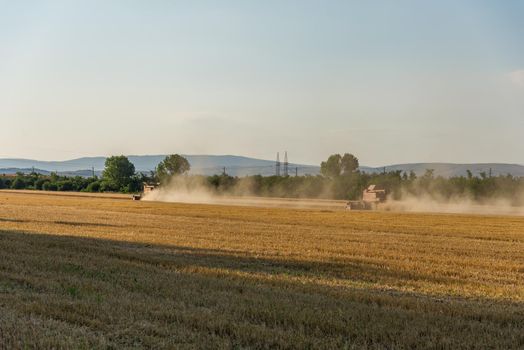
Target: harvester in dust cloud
147,188
371,198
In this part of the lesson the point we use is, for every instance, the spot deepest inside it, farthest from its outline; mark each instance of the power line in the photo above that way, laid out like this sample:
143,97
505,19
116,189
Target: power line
278,165
286,173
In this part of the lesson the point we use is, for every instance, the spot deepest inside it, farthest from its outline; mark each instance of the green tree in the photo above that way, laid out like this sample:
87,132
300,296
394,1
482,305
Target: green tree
50,186
135,185
118,172
40,183
332,167
18,184
93,187
7,182
66,185
349,163
106,186
172,165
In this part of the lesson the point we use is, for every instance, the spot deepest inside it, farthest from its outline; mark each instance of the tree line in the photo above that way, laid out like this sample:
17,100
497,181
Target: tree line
339,178
119,175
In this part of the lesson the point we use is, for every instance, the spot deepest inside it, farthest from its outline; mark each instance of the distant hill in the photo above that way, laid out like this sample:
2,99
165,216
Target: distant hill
452,169
200,164
241,166
83,173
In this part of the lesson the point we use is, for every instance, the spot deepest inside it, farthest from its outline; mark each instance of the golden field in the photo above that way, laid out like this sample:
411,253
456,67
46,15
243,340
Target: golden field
81,271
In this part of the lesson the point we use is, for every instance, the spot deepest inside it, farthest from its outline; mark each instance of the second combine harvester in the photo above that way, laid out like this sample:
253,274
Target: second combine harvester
371,198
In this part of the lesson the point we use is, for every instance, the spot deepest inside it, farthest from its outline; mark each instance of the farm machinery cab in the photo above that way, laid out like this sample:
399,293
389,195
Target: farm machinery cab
371,198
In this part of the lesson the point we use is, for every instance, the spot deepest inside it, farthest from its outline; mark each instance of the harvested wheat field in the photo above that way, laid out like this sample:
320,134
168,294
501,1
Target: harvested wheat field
104,272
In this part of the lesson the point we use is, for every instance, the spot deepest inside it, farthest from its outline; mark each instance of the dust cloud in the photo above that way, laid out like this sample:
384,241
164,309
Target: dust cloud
183,190
196,190
430,204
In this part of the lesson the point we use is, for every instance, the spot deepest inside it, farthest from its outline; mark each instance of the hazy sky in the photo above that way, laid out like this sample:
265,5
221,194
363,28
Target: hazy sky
390,81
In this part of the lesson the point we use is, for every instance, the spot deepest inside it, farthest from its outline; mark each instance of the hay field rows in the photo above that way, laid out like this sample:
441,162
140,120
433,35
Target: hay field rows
95,272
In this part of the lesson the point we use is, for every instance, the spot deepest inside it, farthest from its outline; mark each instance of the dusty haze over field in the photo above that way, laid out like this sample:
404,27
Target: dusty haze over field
182,189
194,190
454,206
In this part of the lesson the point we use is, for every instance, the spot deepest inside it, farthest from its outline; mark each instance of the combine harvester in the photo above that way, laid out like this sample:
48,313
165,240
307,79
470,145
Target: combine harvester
147,188
371,198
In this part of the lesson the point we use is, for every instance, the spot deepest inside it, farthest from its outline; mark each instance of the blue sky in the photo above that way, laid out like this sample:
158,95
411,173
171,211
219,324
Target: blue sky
390,81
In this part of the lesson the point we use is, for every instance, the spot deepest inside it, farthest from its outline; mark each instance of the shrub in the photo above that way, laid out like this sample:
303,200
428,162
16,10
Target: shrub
93,187
106,186
39,184
50,186
18,184
66,185
7,183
